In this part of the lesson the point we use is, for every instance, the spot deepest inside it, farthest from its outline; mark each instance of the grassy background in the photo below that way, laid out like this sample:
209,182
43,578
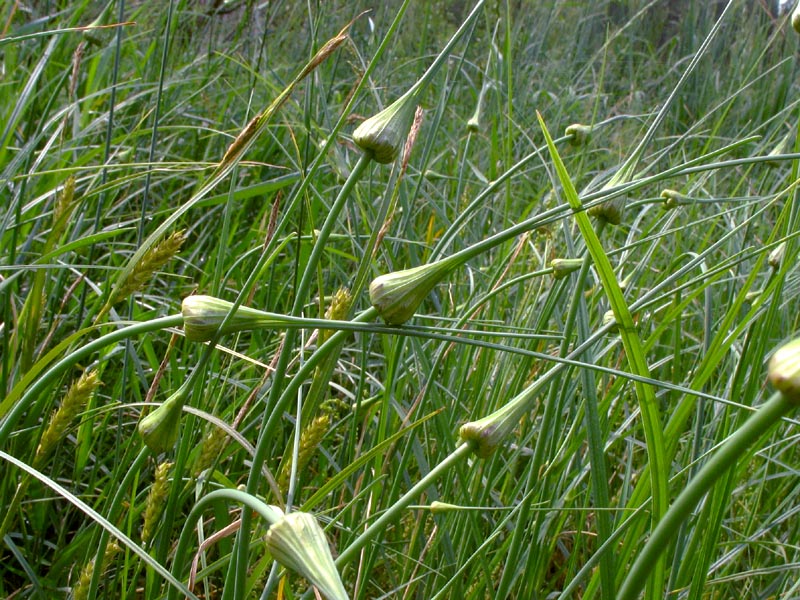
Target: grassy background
184,79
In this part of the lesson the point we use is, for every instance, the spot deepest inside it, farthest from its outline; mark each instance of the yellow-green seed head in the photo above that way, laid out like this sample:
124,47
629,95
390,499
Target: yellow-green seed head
397,295
298,543
203,315
383,135
159,429
562,267
784,370
156,500
578,135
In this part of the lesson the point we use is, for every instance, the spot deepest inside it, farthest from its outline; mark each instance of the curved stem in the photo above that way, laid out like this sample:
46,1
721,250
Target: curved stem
724,458
269,513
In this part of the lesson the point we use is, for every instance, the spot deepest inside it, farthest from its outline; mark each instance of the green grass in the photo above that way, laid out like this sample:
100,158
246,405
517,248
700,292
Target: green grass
612,387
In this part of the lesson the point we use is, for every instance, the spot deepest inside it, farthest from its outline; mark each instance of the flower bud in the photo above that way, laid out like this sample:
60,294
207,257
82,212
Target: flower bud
202,316
775,257
486,434
562,267
383,135
796,18
579,135
609,211
298,543
784,371
610,319
673,199
397,295
159,429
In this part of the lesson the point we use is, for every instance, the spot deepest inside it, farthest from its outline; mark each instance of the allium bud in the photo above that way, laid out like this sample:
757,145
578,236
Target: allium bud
775,257
203,315
562,267
579,135
673,199
159,429
298,543
383,135
796,18
784,370
610,210
486,434
397,295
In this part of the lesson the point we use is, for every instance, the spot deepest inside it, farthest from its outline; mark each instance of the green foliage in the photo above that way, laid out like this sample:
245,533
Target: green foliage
232,122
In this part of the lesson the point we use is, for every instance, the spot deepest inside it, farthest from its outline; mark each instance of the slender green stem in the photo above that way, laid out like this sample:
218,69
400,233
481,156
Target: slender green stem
724,458
349,553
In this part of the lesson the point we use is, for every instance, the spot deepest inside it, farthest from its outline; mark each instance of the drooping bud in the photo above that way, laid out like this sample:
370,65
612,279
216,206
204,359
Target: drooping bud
578,135
397,295
784,370
298,543
610,211
610,319
383,135
775,257
203,315
486,434
674,199
562,267
796,18
159,429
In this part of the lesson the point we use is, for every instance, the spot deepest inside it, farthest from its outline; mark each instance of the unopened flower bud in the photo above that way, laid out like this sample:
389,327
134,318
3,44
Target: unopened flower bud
610,211
784,370
796,18
775,257
397,295
562,267
383,135
486,434
298,543
203,315
579,135
673,199
159,429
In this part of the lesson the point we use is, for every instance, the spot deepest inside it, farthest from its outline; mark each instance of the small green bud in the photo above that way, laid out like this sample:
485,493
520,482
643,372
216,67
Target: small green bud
562,267
579,135
383,135
796,18
486,434
397,295
610,211
610,319
202,316
159,429
784,370
674,199
775,257
298,543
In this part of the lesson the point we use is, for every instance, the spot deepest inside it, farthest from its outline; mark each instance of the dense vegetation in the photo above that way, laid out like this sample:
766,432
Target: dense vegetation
567,376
